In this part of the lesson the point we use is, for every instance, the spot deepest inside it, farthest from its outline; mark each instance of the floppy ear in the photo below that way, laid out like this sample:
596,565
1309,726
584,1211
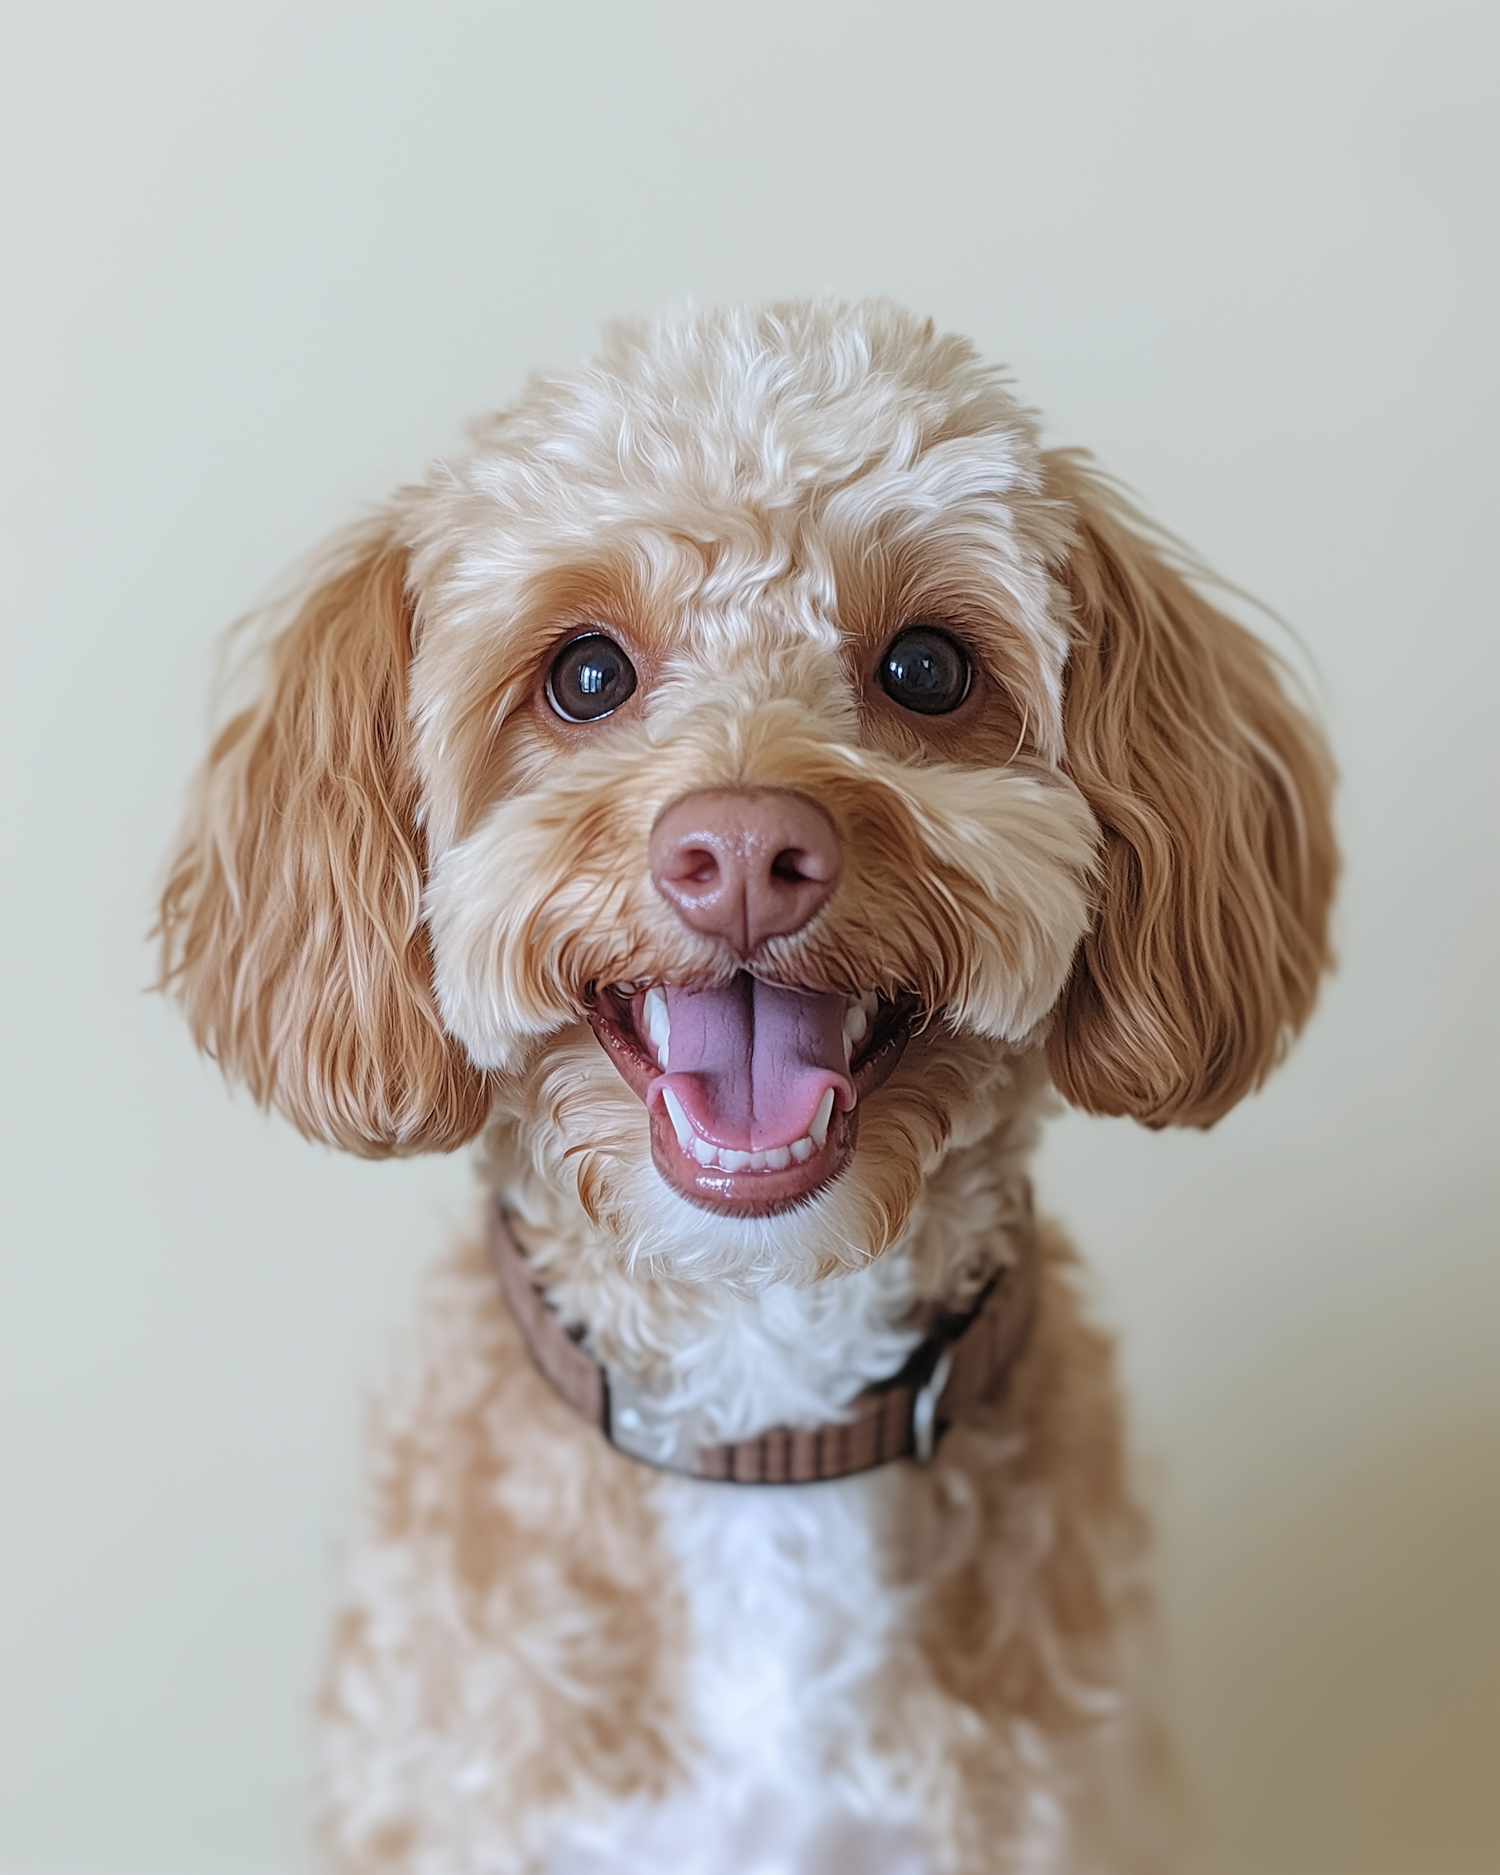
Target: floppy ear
1218,863
291,923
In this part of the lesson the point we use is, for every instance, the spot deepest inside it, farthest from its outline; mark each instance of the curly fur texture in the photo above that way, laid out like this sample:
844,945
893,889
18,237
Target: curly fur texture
405,879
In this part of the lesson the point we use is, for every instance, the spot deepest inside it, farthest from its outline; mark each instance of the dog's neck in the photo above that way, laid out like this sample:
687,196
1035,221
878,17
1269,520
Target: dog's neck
705,1361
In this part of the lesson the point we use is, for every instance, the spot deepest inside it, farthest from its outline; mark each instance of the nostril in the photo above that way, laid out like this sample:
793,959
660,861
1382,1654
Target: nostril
791,865
697,865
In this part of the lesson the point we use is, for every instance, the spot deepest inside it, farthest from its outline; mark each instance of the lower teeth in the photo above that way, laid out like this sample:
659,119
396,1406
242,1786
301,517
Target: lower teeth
727,1159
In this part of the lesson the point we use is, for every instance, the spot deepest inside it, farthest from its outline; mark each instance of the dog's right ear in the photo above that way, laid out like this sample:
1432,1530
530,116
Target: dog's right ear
291,926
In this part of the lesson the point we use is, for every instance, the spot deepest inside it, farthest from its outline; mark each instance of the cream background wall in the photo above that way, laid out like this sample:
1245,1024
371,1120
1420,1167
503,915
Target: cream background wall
261,262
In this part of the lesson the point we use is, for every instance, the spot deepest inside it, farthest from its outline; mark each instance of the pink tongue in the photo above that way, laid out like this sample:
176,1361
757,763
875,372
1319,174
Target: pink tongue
749,1063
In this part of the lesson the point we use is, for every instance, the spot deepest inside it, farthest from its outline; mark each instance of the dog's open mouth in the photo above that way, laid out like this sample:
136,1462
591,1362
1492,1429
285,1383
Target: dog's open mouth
753,1089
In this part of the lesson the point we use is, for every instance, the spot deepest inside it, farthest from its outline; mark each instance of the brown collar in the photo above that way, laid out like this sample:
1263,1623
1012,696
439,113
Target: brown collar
958,1364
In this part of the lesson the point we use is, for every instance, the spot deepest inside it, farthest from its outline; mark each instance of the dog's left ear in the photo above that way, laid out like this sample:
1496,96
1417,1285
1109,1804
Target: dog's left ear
1218,864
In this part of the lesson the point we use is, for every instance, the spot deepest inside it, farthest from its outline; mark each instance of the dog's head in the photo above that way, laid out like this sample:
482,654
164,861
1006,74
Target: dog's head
755,746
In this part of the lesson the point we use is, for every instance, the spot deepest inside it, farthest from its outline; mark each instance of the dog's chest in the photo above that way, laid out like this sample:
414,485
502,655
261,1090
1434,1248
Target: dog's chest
794,1627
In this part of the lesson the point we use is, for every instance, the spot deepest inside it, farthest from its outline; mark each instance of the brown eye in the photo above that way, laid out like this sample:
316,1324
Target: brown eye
589,678
924,670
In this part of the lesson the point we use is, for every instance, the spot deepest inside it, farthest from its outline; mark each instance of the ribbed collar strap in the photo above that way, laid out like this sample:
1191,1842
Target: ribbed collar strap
961,1362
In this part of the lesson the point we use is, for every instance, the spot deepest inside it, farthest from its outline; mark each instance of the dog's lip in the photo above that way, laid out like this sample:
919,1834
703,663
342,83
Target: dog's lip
614,1013
751,1194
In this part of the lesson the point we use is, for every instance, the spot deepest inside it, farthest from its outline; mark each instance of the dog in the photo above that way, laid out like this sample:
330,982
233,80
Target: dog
742,793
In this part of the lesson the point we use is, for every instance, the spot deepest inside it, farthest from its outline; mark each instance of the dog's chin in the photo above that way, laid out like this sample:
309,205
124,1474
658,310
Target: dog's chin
745,1183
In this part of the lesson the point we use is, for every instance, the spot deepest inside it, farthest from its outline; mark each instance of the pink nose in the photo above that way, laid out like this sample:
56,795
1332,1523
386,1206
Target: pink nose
745,865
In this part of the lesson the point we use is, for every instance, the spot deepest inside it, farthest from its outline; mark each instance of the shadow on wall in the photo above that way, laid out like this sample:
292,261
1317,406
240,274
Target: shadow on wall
1335,1624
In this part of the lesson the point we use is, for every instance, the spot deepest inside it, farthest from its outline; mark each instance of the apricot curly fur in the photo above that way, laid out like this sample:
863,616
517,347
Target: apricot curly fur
404,880
291,921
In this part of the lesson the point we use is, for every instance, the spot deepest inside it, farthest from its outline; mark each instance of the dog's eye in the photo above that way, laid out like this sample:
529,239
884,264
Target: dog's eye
589,678
924,670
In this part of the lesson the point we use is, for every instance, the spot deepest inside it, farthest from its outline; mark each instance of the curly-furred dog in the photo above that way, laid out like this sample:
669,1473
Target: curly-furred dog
737,793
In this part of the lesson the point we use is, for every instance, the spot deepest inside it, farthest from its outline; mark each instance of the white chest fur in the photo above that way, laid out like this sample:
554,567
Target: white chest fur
793,1619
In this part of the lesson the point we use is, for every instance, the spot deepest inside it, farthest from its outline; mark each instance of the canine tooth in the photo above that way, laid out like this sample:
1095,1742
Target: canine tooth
733,1161
658,1023
704,1153
856,1024
819,1127
777,1158
801,1149
681,1125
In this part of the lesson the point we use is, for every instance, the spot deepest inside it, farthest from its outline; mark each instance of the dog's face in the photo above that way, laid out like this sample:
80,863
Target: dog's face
739,730
733,767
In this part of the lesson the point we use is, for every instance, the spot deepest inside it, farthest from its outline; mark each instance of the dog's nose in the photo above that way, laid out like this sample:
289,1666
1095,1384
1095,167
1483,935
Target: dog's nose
745,864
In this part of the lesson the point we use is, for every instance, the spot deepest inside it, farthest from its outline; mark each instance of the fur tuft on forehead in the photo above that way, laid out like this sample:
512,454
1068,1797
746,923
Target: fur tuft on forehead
759,406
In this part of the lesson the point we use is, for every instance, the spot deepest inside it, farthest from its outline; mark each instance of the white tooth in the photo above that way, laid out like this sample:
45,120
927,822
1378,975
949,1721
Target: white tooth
757,1162
658,1022
778,1158
681,1125
703,1152
801,1149
856,1024
819,1127
733,1161
869,1002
